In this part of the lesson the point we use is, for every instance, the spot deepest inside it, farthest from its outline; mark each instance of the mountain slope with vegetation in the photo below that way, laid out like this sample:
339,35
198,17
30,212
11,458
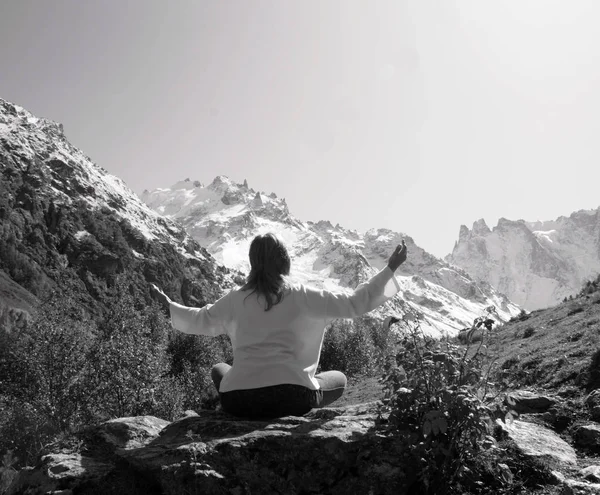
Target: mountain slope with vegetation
64,221
554,348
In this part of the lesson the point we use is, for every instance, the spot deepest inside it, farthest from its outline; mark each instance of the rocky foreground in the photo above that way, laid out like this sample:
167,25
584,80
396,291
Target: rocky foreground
329,451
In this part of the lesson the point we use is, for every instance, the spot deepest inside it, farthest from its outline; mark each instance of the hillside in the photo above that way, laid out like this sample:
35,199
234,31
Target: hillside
66,222
554,348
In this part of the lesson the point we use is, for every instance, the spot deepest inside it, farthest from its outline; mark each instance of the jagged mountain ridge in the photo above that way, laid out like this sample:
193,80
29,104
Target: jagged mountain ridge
65,220
224,217
536,264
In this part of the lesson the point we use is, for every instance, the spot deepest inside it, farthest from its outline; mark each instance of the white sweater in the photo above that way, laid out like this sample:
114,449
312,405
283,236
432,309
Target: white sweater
281,345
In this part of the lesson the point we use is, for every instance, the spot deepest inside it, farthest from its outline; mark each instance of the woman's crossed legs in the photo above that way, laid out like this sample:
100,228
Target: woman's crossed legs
332,385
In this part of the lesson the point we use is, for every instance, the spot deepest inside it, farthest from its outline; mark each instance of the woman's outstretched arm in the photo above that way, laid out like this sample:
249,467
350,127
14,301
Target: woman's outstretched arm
210,320
366,297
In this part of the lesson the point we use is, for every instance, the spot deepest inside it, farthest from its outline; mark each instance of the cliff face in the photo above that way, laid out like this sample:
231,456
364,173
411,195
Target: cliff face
536,264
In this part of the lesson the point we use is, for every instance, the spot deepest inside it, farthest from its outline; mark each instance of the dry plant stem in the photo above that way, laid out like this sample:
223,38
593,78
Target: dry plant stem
421,364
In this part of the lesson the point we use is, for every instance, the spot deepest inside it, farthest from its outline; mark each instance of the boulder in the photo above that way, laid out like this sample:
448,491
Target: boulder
524,401
588,436
537,441
331,450
591,473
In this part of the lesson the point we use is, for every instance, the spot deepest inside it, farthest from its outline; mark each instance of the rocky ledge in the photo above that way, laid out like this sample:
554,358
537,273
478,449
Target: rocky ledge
332,450
328,451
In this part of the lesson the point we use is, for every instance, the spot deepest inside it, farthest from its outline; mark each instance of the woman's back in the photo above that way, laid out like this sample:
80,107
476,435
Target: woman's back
281,343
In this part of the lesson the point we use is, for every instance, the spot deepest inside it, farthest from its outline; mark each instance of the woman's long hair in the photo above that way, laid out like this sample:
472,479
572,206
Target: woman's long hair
269,263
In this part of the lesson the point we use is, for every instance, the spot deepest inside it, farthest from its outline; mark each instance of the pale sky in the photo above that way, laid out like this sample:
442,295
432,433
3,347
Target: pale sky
417,116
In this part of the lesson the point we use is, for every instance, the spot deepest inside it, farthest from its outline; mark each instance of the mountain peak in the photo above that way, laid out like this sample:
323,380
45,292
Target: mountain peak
221,182
257,201
480,227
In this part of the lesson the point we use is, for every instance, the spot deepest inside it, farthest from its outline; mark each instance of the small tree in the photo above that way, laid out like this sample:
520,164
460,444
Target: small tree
41,372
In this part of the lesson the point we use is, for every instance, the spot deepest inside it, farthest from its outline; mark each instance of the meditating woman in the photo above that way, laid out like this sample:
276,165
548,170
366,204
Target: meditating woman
276,330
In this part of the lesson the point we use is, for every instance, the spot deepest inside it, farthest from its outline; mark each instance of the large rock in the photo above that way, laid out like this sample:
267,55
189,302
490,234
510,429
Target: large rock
536,441
334,451
588,436
525,401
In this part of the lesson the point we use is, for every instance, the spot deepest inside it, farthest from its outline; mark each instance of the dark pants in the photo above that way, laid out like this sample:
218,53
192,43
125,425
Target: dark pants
279,400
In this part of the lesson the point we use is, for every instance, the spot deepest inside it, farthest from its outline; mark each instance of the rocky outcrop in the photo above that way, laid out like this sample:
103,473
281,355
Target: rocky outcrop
329,451
336,451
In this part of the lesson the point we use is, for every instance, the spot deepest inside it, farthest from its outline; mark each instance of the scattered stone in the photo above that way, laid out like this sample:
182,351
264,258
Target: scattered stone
188,413
575,487
506,473
591,473
536,441
524,401
588,436
128,433
58,470
593,402
558,477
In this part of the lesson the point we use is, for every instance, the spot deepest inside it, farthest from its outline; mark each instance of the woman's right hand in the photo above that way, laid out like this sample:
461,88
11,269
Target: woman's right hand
398,256
161,297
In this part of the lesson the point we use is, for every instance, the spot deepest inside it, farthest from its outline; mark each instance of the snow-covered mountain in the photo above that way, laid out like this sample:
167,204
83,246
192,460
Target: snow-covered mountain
536,264
224,217
63,218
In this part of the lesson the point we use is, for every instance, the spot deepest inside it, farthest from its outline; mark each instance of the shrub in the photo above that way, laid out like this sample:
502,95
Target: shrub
357,347
7,472
437,396
574,311
63,371
528,332
41,370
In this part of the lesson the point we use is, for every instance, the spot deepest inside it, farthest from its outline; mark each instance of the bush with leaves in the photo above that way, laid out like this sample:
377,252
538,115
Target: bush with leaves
64,371
356,347
41,373
437,396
